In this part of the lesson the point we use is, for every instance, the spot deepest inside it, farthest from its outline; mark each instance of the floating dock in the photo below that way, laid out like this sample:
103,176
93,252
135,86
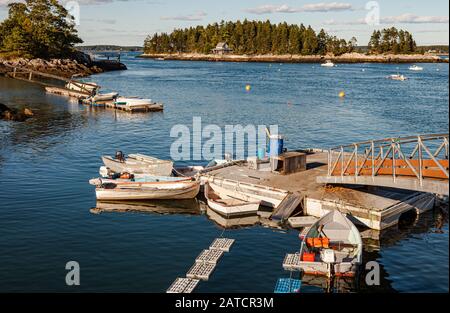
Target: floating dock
375,207
183,285
222,244
209,256
291,262
201,271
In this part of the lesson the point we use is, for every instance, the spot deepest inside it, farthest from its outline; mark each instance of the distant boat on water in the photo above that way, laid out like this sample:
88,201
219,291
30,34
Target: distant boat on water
416,68
398,77
328,64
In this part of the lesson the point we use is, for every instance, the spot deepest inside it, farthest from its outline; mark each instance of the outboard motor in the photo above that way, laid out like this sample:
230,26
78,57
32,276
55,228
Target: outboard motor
120,156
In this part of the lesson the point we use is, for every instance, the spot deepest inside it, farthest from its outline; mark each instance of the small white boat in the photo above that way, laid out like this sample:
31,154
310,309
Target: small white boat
416,68
171,188
138,164
229,206
137,104
398,77
83,87
105,96
231,189
331,247
328,64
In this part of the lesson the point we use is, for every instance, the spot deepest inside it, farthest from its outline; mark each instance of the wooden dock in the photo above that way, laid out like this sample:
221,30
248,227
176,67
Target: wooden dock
80,95
376,208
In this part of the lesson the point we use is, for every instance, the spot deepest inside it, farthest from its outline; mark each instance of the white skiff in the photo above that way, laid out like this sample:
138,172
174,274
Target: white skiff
331,247
158,190
139,164
228,206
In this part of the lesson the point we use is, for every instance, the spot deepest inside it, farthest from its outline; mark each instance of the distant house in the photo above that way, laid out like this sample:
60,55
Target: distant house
222,48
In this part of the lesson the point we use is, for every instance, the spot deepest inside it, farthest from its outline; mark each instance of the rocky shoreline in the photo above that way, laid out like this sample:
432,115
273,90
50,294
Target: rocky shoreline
9,114
345,58
80,65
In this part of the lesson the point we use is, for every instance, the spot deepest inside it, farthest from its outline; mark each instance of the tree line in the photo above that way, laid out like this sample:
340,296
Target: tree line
392,40
249,37
38,29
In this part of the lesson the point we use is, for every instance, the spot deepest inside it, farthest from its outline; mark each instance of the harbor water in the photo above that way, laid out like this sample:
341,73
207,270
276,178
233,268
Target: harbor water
46,162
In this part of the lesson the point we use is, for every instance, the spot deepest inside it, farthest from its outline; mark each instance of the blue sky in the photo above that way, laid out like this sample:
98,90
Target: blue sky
128,22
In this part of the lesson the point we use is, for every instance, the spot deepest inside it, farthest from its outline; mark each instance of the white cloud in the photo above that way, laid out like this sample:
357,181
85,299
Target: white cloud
316,7
327,7
270,8
190,17
407,18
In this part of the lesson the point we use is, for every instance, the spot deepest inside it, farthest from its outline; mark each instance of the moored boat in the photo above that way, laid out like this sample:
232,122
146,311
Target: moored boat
331,247
89,87
105,96
138,164
171,188
397,77
228,206
231,189
416,68
137,104
328,63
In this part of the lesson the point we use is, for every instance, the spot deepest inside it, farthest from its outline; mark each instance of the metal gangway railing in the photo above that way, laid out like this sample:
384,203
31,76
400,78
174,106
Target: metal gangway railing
416,163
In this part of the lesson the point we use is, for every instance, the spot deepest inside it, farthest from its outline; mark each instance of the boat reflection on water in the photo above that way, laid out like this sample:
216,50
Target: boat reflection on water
232,222
183,207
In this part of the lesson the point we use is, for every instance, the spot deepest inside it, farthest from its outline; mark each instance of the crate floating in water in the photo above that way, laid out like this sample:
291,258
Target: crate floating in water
201,271
223,244
183,285
292,262
288,285
209,256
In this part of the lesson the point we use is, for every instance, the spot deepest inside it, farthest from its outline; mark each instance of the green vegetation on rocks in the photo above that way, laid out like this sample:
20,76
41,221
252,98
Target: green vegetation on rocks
38,29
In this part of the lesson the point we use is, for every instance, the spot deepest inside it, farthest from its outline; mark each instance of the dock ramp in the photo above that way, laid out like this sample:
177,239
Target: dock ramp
287,206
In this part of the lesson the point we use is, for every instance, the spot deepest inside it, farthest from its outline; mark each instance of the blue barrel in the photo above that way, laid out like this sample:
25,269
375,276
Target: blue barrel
261,153
276,143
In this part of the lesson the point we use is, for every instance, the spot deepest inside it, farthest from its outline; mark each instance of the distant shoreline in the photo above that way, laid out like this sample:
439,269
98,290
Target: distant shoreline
345,58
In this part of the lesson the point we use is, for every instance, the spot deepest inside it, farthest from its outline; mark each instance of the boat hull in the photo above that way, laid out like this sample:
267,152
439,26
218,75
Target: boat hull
321,269
150,191
233,210
228,189
163,168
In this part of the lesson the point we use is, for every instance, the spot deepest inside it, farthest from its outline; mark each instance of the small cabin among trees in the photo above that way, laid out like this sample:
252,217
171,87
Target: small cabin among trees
221,49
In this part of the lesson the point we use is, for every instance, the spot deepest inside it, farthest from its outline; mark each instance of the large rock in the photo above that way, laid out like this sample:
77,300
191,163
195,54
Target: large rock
9,114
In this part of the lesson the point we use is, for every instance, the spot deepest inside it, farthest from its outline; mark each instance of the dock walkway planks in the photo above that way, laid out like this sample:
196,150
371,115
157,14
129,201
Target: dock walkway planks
209,256
287,206
183,285
291,262
223,244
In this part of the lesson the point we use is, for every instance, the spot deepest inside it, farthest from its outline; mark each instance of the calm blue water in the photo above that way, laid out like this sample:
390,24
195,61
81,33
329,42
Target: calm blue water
45,164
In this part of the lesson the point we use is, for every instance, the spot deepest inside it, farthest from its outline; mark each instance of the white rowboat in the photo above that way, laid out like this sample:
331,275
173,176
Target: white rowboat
341,255
139,164
168,190
228,206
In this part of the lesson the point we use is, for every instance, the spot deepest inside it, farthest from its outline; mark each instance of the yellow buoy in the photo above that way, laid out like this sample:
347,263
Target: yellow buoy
248,87
342,94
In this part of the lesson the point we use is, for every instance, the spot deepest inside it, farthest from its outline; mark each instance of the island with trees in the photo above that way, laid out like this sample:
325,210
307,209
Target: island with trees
41,35
263,41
